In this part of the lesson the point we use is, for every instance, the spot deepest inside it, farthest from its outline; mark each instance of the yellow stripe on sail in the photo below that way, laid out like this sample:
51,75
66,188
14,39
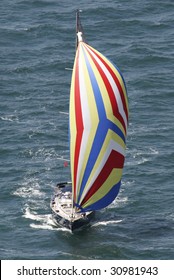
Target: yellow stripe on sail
111,136
113,179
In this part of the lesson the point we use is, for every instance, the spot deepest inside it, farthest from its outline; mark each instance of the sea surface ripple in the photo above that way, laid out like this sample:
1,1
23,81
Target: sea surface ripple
37,44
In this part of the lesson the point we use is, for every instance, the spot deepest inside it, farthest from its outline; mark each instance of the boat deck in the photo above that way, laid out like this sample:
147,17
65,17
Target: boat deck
61,204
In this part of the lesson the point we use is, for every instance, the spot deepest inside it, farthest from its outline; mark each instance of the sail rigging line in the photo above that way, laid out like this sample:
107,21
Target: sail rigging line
64,159
64,113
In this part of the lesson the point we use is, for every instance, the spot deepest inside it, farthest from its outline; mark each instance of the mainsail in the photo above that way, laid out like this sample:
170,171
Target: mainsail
98,126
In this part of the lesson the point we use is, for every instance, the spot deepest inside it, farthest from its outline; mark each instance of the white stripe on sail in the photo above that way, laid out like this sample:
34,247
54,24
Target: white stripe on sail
113,85
112,146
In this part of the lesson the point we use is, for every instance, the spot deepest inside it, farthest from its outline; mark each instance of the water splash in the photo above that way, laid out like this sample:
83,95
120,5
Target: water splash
42,221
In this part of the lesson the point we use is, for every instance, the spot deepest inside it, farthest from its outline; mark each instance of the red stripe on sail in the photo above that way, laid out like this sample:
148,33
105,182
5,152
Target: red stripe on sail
112,98
115,79
79,122
115,160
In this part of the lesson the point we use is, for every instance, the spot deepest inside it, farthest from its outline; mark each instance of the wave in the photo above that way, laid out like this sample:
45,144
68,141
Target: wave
126,183
41,153
35,216
119,202
139,156
9,118
48,227
105,223
30,189
44,221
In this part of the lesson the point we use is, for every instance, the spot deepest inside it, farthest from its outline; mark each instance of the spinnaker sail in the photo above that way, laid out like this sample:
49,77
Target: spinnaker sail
98,120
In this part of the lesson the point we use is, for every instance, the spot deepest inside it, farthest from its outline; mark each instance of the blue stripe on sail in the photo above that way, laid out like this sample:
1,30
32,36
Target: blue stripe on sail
106,200
116,129
102,130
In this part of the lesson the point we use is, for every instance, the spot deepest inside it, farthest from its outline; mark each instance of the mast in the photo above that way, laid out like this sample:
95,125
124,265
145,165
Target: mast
79,29
79,38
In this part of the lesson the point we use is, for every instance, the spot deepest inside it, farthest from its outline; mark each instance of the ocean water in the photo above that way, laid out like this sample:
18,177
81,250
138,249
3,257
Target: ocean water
37,43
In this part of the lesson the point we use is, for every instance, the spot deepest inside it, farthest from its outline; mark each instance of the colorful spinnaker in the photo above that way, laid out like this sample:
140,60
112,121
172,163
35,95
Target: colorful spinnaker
98,126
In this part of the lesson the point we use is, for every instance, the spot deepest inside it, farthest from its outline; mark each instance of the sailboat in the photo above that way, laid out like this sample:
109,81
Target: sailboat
98,121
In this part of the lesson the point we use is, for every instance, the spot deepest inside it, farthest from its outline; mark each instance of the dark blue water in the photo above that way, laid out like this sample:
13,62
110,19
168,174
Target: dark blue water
37,43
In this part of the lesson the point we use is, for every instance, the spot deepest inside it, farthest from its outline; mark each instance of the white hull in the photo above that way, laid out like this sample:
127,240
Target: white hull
64,214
